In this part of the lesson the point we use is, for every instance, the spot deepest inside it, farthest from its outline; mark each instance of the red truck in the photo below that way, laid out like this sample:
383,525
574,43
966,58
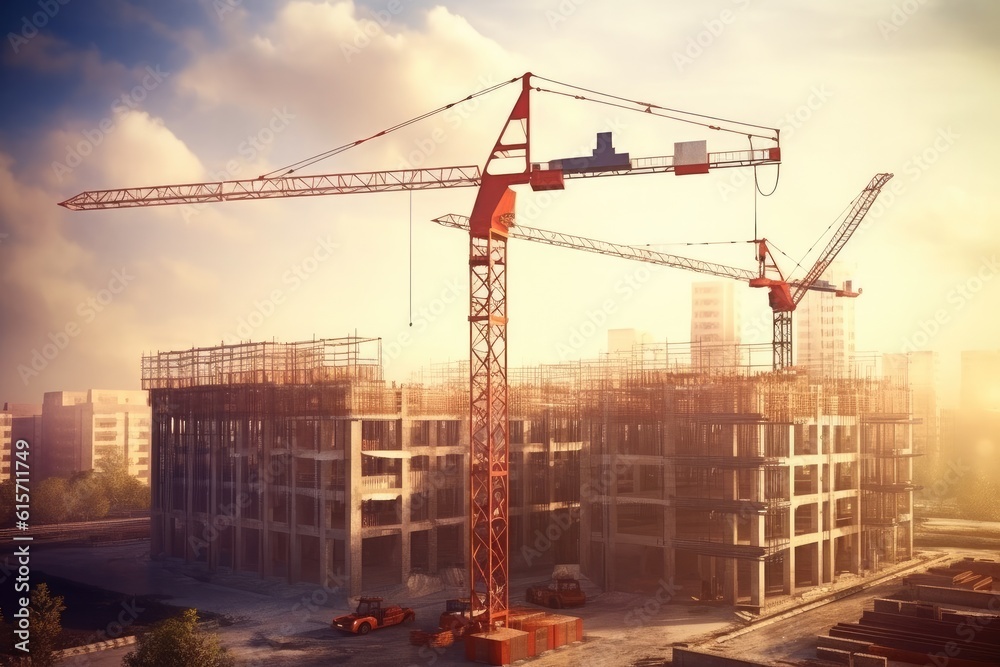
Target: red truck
371,615
557,594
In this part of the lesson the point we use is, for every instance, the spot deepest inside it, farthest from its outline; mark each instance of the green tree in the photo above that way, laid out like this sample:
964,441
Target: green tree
46,625
48,502
87,499
124,492
178,642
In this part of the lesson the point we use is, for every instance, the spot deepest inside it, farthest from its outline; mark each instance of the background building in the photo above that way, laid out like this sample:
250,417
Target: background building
824,328
715,325
79,427
19,421
920,372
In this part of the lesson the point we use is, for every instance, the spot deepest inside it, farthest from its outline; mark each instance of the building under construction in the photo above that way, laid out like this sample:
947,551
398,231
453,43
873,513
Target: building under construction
299,461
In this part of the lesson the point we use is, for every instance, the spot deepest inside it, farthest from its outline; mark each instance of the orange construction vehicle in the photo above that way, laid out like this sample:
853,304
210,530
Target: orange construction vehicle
371,615
558,594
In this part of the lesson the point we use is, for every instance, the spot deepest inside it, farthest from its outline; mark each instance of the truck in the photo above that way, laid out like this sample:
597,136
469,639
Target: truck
372,615
557,594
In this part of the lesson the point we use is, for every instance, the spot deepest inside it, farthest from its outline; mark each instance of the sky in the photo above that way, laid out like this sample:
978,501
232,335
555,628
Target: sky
116,93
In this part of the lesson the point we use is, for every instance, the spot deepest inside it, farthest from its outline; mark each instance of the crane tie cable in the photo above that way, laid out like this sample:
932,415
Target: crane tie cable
291,168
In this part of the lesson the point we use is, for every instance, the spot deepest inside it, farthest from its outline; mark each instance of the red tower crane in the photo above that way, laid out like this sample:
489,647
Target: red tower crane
781,297
489,224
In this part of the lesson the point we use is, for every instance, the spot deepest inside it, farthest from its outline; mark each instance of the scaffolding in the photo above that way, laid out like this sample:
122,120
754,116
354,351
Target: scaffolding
310,362
747,482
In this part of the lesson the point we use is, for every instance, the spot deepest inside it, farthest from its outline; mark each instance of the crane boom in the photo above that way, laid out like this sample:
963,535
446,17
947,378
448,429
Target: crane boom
280,187
859,209
372,181
563,240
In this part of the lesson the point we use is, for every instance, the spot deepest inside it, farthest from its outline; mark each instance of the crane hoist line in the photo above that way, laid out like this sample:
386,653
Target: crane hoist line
508,164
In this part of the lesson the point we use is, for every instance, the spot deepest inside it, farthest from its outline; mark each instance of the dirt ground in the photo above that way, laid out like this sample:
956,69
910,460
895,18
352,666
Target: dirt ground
268,623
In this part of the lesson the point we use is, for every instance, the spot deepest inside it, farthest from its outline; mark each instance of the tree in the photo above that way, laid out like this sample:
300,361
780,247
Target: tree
48,503
124,492
179,641
88,500
46,625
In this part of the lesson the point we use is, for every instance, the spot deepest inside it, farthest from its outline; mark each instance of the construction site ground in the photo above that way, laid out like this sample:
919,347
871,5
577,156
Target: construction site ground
273,624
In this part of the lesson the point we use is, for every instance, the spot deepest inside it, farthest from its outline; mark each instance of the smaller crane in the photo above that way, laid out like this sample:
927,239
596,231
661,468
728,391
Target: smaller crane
782,299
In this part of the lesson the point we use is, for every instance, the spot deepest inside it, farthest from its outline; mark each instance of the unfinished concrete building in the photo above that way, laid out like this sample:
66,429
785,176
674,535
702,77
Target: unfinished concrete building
299,461
740,486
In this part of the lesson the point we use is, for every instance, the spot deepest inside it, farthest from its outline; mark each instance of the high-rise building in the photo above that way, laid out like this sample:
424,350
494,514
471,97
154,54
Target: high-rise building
16,423
715,326
919,371
81,427
824,327
980,383
623,341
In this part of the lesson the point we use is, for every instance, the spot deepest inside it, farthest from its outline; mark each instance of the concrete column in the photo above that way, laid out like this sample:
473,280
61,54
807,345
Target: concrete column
612,523
214,545
586,520
189,530
322,484
265,479
814,548
757,573
669,522
432,550
788,572
352,522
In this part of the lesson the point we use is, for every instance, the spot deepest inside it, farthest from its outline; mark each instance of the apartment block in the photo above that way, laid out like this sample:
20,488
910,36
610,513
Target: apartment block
715,325
18,421
824,327
79,427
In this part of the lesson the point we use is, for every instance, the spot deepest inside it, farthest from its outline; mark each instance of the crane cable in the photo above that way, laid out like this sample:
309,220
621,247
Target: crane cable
307,162
649,109
828,227
411,258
